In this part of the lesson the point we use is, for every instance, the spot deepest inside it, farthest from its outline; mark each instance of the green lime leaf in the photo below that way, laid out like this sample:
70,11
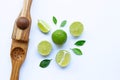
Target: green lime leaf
63,23
44,63
77,51
54,20
80,43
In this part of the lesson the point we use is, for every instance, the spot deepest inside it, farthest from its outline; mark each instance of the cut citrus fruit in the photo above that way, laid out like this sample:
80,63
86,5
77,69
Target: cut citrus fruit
76,28
63,58
44,48
43,26
59,36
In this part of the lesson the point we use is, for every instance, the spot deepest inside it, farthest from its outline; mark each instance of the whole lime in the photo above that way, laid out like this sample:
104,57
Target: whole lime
59,37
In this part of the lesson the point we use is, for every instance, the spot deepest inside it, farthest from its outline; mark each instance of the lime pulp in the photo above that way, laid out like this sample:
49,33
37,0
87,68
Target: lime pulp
63,58
44,48
76,28
43,26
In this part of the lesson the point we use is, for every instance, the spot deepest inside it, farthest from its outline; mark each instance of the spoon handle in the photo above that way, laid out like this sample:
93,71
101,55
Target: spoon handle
26,8
15,71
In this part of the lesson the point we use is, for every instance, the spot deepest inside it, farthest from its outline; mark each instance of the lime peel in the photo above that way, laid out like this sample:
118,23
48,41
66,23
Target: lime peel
59,36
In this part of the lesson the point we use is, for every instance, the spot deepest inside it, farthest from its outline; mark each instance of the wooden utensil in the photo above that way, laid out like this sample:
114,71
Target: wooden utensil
20,39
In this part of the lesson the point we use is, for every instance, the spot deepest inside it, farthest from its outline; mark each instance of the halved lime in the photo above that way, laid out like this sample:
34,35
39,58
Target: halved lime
43,26
44,48
63,58
59,36
76,28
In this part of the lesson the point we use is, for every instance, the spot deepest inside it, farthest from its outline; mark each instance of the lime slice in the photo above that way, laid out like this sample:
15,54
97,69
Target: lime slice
76,28
44,48
43,26
59,36
63,58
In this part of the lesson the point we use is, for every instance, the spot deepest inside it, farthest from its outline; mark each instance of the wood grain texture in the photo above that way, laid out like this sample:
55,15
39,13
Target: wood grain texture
18,55
20,39
19,34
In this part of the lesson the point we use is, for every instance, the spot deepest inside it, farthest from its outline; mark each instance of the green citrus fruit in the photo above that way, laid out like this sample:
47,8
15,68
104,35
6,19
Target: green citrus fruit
43,26
76,28
59,36
44,48
63,58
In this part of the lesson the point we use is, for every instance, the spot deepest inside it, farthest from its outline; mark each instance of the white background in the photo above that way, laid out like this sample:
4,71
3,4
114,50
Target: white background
101,52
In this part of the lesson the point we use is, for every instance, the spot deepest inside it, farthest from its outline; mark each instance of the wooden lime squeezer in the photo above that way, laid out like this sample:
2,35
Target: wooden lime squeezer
20,39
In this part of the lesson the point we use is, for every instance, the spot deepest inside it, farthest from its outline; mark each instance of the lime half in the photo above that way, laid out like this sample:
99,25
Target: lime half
43,26
76,28
63,58
44,48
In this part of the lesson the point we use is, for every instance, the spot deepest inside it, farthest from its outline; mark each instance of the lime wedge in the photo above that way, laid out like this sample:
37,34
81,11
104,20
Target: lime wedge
44,48
76,28
43,26
63,58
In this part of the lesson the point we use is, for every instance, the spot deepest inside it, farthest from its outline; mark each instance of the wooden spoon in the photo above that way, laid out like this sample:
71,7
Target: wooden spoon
20,39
